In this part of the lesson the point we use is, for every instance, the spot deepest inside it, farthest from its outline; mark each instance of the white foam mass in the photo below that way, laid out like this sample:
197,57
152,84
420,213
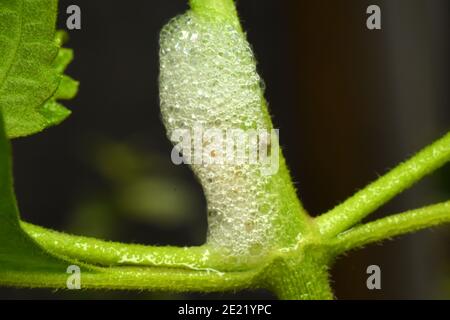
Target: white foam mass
208,77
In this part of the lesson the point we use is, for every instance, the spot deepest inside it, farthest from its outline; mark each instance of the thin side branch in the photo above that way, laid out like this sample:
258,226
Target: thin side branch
392,226
364,202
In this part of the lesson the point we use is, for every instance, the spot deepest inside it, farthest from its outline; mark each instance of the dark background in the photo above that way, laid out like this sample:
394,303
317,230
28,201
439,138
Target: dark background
350,104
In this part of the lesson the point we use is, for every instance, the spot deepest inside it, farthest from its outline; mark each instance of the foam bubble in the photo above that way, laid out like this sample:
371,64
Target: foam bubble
208,77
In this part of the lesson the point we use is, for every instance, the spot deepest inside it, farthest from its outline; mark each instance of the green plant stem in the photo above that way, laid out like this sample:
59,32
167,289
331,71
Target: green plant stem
109,253
301,277
392,226
290,221
136,278
295,268
217,10
287,275
385,188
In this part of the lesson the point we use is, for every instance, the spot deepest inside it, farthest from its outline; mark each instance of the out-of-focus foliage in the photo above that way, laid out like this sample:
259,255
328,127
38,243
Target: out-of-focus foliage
142,187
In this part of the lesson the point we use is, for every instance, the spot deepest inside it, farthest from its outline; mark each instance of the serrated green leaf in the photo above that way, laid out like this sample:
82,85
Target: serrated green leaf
31,66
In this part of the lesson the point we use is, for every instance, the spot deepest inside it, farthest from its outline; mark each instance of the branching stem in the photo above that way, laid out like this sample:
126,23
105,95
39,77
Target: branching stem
364,202
392,226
